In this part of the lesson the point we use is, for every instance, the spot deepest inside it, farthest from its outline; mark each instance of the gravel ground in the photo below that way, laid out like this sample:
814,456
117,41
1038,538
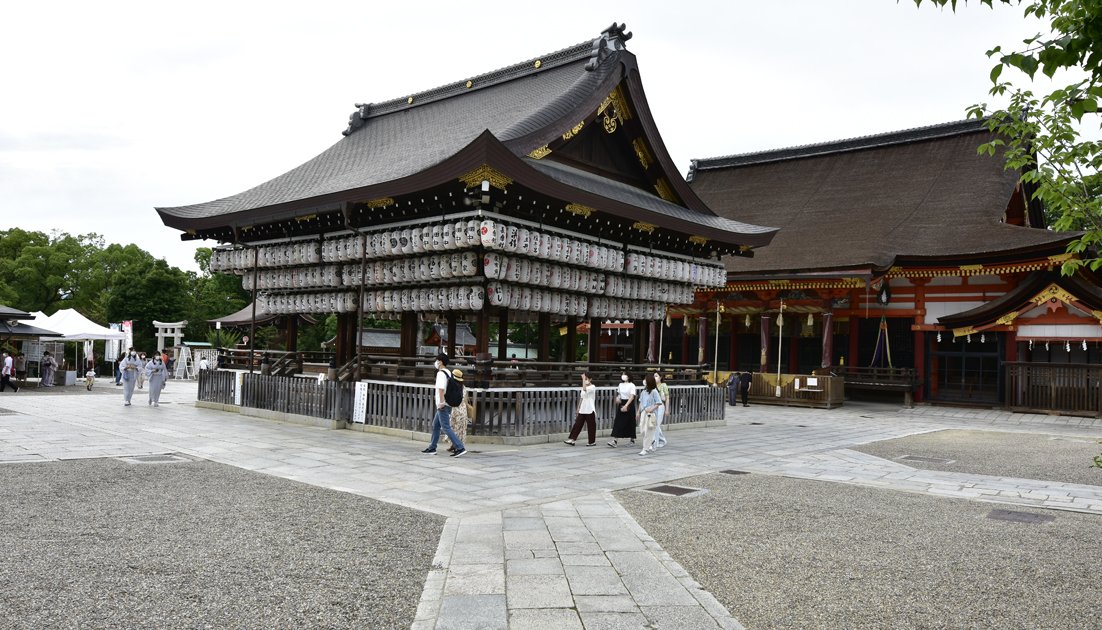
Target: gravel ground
1021,455
793,553
106,544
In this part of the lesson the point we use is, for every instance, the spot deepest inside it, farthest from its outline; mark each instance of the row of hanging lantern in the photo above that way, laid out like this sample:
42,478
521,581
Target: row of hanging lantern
492,235
277,304
300,278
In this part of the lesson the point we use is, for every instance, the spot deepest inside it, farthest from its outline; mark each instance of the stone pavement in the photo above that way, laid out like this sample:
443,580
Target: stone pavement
534,538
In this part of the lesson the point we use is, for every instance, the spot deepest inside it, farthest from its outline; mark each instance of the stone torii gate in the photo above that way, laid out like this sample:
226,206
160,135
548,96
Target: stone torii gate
174,330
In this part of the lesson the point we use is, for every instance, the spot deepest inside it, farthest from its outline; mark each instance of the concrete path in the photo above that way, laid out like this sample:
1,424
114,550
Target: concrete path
534,538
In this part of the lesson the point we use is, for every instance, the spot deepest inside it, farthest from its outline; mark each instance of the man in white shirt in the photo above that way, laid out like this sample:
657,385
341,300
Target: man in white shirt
203,364
442,419
6,372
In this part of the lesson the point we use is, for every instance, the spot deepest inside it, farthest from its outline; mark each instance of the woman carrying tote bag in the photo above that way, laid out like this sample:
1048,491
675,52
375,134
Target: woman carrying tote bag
650,401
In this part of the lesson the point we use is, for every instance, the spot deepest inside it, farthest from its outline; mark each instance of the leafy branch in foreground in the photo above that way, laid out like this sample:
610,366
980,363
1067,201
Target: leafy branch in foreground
1042,135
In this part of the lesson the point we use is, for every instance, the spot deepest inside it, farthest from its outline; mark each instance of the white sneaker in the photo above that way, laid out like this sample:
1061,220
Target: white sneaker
643,452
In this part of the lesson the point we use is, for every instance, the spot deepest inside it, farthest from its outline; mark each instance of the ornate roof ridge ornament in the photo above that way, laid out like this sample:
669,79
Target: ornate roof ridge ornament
611,40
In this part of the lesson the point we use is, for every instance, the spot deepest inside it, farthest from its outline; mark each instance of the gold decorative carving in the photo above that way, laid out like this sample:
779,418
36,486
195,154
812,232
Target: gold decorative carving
745,248
779,281
538,63
585,211
967,330
306,218
1053,291
699,240
664,190
1061,257
573,132
1006,319
410,100
614,108
643,227
641,151
540,152
380,203
469,84
485,173
971,267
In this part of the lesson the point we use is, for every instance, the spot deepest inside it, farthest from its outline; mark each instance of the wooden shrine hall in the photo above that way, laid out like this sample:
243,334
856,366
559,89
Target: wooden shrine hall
539,192
903,261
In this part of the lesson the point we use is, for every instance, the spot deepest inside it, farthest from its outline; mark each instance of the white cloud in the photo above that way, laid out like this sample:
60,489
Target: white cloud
113,109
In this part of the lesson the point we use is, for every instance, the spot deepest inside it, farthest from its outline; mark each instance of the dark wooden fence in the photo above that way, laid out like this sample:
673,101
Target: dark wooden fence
217,386
1054,387
303,396
828,392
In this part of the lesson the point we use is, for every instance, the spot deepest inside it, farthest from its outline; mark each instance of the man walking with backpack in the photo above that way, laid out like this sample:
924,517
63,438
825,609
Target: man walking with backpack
448,393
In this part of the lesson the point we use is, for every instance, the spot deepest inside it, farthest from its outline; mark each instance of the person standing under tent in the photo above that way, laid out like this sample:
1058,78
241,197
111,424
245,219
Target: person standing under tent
623,425
7,369
131,367
442,420
49,366
156,372
21,368
663,411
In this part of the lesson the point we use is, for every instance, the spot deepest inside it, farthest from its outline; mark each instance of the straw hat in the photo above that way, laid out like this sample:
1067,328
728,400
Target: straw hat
458,374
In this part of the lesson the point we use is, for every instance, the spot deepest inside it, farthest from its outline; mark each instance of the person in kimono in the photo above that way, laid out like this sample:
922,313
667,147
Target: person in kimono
131,367
49,366
141,370
156,372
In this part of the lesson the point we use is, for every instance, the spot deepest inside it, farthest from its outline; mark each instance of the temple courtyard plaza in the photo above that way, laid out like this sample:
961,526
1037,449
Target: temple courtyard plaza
251,523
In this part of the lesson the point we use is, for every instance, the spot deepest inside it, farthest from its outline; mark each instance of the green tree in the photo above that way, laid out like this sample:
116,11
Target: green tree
47,272
151,291
1042,134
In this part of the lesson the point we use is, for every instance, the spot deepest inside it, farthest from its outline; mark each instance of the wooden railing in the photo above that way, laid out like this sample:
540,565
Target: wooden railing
238,358
1056,387
824,392
217,386
302,396
889,378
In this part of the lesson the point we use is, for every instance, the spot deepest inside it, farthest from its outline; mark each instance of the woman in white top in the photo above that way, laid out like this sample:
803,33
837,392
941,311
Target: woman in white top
624,424
587,413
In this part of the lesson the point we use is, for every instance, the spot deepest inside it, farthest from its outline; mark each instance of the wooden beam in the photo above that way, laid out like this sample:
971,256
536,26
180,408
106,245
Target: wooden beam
482,338
594,354
543,340
503,334
291,343
571,347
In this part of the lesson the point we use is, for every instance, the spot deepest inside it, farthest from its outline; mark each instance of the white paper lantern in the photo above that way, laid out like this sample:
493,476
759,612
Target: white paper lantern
524,241
495,294
477,298
448,236
514,297
491,265
433,300
544,251
486,234
463,297
469,264
459,234
511,239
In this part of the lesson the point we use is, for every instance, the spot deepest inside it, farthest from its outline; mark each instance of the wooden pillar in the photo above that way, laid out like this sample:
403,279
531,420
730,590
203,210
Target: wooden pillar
920,336
854,330
451,334
350,340
543,342
341,339
482,337
685,340
594,340
292,333
793,354
828,340
1011,346
411,334
653,351
764,361
702,338
503,335
732,351
638,343
570,353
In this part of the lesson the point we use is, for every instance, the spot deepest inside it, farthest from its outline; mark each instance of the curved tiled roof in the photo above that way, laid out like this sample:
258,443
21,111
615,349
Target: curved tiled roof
923,193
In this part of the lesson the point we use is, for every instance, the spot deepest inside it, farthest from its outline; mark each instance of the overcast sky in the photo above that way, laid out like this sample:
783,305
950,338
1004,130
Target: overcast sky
111,109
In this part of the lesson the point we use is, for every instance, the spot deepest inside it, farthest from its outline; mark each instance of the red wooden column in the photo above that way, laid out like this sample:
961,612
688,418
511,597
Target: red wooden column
920,336
764,367
1011,345
702,337
794,355
732,353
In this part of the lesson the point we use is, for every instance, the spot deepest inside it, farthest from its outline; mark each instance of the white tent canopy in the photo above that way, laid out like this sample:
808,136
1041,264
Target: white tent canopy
75,327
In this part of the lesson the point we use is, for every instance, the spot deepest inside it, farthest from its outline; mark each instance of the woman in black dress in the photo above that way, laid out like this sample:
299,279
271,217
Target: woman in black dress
623,426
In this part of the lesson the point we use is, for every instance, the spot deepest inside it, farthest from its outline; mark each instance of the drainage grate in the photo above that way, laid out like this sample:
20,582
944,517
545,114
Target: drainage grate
1020,517
155,459
801,426
676,491
734,472
757,423
930,460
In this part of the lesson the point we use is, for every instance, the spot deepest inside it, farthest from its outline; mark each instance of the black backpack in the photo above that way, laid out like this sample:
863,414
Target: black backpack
453,393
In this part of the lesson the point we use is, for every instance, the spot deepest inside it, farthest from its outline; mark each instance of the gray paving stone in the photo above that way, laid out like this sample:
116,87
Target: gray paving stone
605,603
544,619
528,540
524,524
679,618
535,566
594,581
473,612
538,591
614,621
657,590
475,579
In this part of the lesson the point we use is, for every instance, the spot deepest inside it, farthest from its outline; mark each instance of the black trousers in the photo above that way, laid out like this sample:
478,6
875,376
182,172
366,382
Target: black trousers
5,381
590,422
746,396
